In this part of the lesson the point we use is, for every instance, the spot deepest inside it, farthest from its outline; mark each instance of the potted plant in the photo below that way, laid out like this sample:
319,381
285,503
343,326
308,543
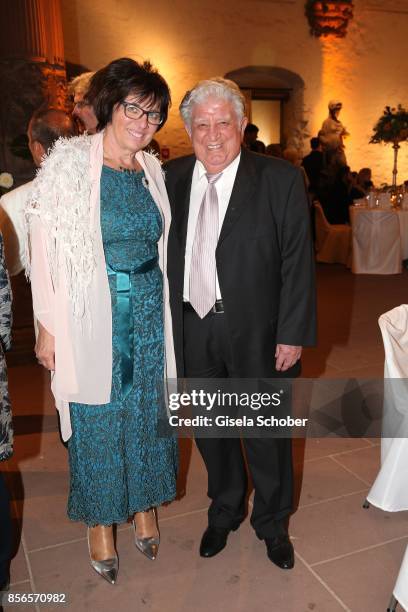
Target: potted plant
392,126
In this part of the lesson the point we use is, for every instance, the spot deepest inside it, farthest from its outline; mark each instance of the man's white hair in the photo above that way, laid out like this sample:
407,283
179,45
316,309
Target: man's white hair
216,87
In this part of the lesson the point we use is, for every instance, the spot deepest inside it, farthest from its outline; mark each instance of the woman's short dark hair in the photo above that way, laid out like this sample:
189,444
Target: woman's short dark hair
113,83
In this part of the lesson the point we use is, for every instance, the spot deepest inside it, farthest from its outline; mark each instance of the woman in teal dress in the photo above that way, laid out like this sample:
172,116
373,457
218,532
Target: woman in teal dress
120,466
131,227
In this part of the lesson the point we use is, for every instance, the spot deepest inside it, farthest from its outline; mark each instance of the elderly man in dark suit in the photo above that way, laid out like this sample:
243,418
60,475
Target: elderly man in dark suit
241,274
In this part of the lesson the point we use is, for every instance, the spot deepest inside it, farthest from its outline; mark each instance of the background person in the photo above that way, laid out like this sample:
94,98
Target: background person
251,139
292,155
100,294
313,163
45,127
274,150
78,89
6,430
364,180
337,193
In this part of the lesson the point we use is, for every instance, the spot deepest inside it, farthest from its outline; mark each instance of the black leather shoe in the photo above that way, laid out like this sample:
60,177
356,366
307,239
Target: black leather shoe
280,551
213,541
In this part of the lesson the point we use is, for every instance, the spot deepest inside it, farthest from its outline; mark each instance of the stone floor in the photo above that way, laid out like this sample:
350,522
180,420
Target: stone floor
347,558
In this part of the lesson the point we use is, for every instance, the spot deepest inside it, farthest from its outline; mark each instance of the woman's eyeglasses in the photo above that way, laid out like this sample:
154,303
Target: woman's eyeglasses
134,111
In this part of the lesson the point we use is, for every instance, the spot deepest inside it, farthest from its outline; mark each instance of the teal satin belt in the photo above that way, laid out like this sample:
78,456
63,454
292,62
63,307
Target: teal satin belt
125,319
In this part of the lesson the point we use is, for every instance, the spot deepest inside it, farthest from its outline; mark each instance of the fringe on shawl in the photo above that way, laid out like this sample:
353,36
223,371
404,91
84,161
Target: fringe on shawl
61,199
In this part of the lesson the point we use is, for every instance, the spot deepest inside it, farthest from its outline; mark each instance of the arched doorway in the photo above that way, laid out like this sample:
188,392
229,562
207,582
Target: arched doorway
279,93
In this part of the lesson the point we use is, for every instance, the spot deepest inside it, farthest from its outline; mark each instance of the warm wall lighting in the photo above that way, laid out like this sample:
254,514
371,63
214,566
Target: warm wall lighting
329,18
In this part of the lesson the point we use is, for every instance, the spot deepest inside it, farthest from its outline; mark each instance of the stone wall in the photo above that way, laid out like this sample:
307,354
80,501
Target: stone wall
190,39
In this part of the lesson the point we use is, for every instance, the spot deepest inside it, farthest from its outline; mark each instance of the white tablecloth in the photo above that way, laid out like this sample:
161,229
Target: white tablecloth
376,240
401,586
402,217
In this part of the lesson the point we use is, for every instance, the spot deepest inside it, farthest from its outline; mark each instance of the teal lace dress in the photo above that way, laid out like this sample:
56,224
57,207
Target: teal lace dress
119,465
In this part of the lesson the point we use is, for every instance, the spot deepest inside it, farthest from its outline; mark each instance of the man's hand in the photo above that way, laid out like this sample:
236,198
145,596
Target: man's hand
286,356
45,348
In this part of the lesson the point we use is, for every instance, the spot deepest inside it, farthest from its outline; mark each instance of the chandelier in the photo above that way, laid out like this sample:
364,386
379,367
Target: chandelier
329,17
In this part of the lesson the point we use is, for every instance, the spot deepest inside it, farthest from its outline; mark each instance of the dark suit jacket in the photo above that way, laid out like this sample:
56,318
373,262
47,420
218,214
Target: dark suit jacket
313,165
264,256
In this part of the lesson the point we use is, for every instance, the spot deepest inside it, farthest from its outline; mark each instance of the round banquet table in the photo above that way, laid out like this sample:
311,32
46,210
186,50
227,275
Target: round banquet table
362,208
380,239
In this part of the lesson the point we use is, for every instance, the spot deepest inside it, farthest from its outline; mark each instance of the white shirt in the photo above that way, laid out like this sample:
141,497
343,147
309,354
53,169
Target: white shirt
199,185
13,228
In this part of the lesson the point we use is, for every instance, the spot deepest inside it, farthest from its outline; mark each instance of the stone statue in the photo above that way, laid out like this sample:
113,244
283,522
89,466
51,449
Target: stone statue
331,136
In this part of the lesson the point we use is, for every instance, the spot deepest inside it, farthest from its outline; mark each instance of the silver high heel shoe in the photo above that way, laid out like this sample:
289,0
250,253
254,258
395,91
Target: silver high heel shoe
148,546
108,568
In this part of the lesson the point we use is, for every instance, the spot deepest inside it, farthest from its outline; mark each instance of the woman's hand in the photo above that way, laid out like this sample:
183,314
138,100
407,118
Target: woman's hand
45,348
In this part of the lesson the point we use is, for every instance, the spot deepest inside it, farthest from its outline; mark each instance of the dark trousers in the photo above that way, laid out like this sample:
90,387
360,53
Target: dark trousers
207,354
5,533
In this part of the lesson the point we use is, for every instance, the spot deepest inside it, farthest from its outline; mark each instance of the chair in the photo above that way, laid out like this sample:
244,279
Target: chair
400,593
376,241
333,242
390,489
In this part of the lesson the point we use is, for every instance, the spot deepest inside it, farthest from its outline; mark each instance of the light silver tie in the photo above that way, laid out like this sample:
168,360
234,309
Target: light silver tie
203,265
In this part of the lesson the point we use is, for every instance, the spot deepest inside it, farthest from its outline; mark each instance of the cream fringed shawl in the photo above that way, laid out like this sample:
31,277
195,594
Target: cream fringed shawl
61,198
67,268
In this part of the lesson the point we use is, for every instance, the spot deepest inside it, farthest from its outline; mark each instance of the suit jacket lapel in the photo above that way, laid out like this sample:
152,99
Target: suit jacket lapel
182,191
241,193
